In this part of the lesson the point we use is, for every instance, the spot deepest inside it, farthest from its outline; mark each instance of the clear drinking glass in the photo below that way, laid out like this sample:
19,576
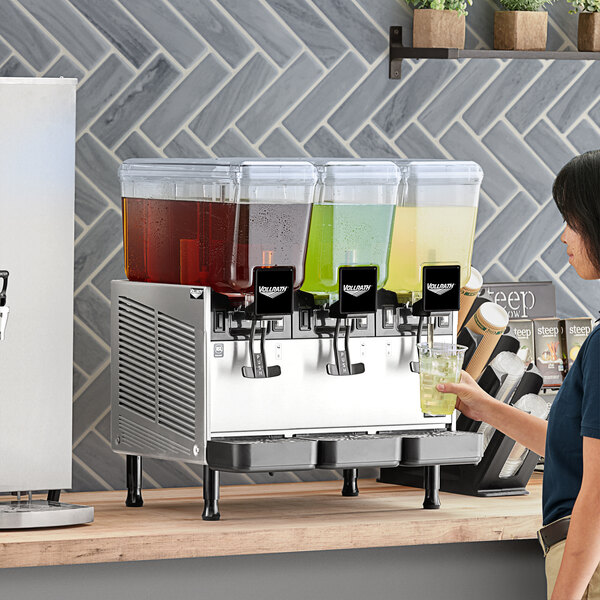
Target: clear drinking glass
440,364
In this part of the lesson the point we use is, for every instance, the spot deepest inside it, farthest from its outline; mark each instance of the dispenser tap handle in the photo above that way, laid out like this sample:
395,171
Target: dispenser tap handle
3,287
258,360
343,365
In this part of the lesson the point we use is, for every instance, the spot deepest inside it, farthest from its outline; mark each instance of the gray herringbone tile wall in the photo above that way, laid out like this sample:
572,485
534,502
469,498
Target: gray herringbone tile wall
184,78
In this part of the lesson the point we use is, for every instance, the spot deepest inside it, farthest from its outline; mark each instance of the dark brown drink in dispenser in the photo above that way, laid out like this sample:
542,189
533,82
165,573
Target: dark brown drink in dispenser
175,241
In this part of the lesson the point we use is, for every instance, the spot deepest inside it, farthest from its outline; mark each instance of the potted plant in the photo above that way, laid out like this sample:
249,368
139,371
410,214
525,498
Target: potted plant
588,29
439,23
522,26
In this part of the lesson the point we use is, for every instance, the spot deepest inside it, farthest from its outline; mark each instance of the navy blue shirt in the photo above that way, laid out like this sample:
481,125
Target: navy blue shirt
575,413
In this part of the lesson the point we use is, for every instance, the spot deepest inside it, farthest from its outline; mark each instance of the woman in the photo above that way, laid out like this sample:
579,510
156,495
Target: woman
570,440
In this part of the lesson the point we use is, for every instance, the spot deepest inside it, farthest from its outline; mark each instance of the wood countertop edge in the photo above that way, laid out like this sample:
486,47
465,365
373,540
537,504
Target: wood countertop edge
269,519
220,542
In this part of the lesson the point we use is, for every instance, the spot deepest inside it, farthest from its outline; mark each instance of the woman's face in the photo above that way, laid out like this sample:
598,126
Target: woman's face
578,255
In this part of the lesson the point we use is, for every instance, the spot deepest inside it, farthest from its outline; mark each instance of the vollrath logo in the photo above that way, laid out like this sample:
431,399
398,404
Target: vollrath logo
439,288
357,290
196,294
272,291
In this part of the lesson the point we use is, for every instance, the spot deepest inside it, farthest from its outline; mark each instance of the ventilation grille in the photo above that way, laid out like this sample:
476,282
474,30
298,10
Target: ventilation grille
139,437
137,371
176,351
157,358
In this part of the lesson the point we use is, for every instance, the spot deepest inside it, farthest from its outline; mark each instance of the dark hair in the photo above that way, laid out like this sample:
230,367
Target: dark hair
576,191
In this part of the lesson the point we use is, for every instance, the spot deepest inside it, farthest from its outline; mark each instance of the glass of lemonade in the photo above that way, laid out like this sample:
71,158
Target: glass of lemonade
440,364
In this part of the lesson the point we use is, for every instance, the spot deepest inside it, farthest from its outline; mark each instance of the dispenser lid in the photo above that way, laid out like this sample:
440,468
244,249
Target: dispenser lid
207,170
273,172
441,172
358,172
221,170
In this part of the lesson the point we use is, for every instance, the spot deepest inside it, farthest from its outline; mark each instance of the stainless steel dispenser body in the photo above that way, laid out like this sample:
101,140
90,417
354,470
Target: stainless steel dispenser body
176,383
37,158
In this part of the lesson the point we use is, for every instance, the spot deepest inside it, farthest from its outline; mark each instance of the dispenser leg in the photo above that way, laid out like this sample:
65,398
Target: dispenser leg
432,487
210,492
350,482
134,481
53,496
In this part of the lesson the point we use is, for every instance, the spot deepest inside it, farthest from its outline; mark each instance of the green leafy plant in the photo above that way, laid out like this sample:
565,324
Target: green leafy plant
459,6
590,6
528,5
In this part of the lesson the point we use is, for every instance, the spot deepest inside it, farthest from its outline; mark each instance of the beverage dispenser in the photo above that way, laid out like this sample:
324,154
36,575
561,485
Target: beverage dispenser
230,354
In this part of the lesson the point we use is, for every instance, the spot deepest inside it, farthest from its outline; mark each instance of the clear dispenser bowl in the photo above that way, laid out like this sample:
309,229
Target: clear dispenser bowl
351,222
211,222
434,222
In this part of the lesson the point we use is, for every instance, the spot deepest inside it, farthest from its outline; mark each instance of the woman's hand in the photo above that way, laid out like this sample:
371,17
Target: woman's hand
471,400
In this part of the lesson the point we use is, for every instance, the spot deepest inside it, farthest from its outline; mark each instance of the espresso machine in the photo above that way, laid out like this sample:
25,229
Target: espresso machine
37,150
271,314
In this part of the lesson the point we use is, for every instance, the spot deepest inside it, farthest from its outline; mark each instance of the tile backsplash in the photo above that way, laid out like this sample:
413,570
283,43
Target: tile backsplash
184,78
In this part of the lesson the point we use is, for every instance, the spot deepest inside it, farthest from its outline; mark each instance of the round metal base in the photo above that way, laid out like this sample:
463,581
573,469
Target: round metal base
41,513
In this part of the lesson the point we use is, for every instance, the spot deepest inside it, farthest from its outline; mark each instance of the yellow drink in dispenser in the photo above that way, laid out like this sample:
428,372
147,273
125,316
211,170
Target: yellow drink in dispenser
434,222
429,235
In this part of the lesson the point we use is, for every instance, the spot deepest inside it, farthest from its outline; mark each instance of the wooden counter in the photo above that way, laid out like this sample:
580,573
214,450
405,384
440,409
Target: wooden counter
261,519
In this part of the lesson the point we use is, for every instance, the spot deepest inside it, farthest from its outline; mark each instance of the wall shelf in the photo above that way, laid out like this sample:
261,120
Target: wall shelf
398,52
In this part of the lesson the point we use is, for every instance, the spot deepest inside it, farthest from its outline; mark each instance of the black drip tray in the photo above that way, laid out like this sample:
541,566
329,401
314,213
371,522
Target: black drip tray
249,455
345,451
423,448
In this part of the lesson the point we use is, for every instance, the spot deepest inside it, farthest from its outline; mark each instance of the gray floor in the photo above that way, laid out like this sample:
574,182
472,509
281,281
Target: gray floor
490,570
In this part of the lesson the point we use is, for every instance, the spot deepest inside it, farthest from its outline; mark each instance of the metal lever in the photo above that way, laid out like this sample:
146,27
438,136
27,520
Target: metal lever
4,310
259,368
343,365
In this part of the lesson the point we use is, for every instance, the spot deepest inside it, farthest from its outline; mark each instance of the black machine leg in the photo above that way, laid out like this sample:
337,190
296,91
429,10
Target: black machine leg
210,492
134,481
432,487
53,495
350,482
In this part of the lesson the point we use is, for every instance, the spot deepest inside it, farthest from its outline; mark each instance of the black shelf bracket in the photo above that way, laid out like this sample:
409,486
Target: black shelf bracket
395,52
398,52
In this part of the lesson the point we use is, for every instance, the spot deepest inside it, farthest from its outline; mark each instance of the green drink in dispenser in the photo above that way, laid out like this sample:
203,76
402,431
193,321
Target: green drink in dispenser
435,221
351,221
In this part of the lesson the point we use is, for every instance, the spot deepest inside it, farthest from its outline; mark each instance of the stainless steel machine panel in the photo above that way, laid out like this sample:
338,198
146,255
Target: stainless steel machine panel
157,370
173,389
37,164
305,398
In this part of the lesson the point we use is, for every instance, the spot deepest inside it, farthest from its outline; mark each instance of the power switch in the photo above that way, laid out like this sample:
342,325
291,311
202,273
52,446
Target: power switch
388,318
305,324
219,321
443,321
361,323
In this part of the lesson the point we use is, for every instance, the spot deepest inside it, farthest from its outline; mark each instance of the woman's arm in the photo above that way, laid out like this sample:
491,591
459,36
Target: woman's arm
582,550
476,404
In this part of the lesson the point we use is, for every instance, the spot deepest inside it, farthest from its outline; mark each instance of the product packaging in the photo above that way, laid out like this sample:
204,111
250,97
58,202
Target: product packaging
522,329
573,333
548,351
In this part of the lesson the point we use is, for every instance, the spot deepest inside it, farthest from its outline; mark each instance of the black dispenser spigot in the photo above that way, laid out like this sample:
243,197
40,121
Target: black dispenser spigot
273,299
357,298
441,295
4,310
3,287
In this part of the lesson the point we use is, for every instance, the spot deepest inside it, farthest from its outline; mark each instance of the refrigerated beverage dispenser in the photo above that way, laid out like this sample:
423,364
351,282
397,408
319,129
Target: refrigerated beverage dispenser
37,172
272,311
